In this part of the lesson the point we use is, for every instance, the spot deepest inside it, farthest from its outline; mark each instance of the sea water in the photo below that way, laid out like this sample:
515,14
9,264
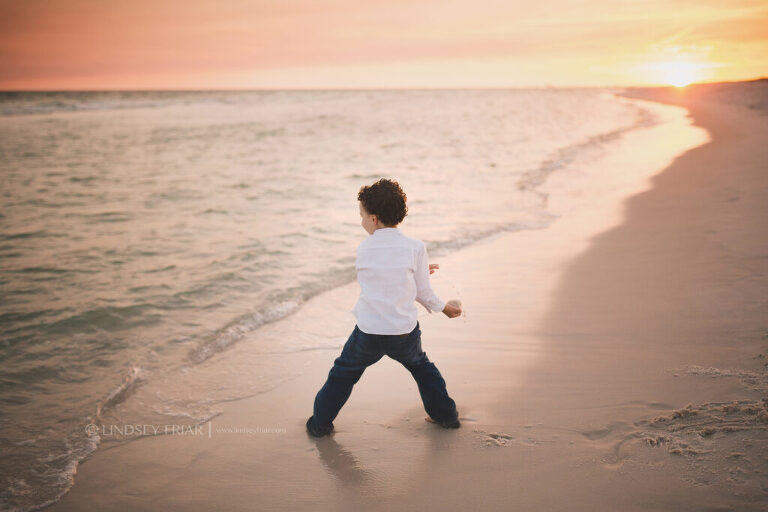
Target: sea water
143,234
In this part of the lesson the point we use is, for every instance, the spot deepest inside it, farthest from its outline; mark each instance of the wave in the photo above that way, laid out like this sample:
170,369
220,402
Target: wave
41,479
237,330
288,301
13,103
564,156
134,378
111,319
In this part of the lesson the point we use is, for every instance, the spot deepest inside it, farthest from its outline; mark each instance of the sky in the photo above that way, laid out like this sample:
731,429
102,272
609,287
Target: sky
319,44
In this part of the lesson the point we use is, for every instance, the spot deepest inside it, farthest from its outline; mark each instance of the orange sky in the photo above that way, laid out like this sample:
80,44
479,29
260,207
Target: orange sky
191,44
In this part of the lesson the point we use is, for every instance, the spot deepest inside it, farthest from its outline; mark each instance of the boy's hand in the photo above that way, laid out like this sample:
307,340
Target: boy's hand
452,308
433,267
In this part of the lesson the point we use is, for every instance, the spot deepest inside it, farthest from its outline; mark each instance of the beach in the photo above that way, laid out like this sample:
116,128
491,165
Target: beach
615,360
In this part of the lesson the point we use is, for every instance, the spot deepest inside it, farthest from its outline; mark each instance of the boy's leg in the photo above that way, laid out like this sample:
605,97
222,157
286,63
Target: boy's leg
438,404
360,351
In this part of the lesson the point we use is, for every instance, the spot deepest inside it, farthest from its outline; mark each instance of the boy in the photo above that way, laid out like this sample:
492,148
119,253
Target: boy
393,271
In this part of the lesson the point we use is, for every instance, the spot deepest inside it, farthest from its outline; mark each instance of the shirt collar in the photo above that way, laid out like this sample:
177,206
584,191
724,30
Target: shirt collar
384,231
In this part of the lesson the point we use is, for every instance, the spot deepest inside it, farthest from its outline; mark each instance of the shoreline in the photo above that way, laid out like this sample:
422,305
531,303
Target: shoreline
530,436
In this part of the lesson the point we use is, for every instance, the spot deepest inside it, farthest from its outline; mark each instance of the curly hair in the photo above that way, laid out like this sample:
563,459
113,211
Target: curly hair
386,200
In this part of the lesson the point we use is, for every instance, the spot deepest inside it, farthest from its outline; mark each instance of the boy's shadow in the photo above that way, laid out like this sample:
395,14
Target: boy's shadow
340,461
348,470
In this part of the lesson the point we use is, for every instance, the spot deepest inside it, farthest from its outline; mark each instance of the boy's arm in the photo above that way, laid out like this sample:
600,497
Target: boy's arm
424,293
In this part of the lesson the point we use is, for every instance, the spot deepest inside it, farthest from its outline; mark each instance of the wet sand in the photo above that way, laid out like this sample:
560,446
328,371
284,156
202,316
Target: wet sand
613,361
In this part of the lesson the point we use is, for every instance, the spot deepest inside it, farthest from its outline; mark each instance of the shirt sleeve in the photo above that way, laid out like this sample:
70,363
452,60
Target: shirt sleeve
424,293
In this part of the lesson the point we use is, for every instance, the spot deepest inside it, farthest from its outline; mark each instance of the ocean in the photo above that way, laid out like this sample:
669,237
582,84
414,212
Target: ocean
144,234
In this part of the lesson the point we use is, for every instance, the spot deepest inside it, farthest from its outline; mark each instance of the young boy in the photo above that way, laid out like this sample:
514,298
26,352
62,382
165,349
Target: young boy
393,271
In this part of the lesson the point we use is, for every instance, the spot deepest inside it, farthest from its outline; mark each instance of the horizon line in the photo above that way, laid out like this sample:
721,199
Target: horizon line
362,89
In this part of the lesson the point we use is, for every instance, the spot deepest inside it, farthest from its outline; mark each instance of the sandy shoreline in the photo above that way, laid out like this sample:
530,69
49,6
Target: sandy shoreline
580,343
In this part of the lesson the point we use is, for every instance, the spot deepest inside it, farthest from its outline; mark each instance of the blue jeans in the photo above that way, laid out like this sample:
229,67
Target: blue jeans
361,351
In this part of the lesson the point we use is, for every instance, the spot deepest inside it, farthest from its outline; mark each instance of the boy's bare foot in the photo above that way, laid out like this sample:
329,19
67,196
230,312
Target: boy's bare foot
314,431
445,424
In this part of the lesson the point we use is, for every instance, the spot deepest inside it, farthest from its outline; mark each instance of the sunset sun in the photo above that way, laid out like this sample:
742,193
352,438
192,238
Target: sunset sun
678,74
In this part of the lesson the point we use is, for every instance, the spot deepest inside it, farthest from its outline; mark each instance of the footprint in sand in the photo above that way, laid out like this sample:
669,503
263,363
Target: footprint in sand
498,439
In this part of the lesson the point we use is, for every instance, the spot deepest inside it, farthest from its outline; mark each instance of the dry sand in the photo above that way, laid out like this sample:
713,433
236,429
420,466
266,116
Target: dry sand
614,361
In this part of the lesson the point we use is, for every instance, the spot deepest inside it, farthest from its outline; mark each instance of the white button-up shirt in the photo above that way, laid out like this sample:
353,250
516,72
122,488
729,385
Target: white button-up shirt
393,272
